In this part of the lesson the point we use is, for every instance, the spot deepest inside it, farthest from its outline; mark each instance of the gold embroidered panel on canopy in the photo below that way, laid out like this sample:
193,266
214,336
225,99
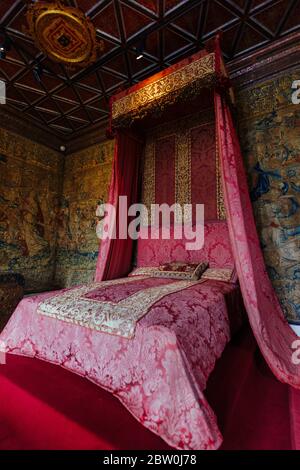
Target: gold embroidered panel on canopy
179,83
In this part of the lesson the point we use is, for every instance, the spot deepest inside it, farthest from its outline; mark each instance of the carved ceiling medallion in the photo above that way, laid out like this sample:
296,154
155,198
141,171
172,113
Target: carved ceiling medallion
63,33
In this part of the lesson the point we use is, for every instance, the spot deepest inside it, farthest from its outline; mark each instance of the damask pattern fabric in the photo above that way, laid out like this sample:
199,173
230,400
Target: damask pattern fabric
115,254
159,375
273,334
203,169
181,166
157,251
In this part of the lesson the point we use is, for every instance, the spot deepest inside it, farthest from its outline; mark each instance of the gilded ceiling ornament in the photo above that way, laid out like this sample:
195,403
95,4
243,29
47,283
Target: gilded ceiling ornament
63,33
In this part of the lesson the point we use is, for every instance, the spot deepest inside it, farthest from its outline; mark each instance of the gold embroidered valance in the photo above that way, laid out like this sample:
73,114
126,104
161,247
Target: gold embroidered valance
179,83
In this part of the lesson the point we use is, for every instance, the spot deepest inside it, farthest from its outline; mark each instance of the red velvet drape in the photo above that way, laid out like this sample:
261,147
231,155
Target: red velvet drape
273,334
115,255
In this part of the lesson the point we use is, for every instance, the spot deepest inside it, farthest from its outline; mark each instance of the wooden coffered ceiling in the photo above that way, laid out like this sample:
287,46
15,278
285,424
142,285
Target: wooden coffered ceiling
67,103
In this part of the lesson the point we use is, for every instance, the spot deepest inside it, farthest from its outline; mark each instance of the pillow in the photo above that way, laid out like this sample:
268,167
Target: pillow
221,274
178,270
174,270
143,271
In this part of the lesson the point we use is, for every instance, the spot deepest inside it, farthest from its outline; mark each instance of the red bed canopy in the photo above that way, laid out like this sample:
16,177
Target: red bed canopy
200,81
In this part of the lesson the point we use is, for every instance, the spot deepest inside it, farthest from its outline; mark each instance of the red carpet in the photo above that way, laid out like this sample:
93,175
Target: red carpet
295,417
251,405
46,407
43,406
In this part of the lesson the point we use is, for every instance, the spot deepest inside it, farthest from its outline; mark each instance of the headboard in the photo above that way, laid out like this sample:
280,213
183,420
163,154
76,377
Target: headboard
216,249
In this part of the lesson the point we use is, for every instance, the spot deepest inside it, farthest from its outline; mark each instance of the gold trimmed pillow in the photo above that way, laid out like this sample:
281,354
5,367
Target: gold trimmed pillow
179,270
173,270
143,271
221,274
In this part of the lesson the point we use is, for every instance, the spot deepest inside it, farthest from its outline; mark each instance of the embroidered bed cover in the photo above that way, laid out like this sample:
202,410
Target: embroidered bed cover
160,374
103,308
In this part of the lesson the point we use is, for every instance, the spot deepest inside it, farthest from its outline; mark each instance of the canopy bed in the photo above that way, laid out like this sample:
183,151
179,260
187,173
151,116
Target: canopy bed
153,341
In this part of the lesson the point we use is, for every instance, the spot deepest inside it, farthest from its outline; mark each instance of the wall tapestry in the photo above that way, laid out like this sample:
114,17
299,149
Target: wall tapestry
30,185
86,181
270,138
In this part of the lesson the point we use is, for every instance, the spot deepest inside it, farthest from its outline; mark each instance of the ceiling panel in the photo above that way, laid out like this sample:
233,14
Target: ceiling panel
133,20
106,21
152,5
168,30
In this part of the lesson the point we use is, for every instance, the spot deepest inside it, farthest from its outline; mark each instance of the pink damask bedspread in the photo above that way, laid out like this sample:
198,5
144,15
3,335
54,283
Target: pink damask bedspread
159,375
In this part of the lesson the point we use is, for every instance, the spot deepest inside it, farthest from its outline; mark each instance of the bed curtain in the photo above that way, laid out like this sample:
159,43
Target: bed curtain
115,255
272,332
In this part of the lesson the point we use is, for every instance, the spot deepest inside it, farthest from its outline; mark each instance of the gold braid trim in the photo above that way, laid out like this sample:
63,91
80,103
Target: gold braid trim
221,212
183,173
148,196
